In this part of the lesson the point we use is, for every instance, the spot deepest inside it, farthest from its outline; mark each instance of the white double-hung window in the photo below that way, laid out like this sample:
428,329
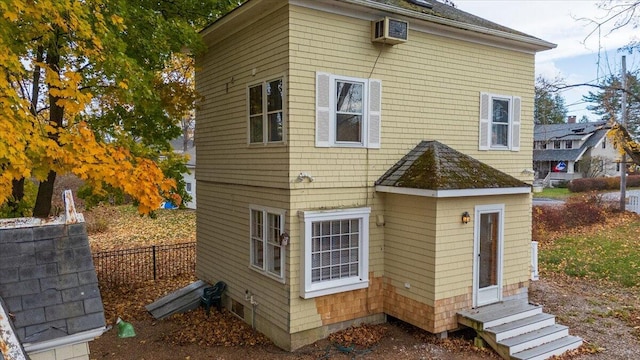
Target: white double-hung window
335,251
266,111
267,252
347,111
499,122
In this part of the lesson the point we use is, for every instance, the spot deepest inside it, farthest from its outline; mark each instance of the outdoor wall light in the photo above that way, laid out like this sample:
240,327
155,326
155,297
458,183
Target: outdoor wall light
466,217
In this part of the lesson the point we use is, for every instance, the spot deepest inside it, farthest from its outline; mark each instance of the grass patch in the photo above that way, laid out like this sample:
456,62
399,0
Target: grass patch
608,253
554,193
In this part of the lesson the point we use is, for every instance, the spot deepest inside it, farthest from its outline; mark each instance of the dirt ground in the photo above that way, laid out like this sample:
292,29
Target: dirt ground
606,316
608,320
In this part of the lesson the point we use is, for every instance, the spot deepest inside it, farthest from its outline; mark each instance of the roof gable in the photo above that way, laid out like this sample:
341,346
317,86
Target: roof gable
432,165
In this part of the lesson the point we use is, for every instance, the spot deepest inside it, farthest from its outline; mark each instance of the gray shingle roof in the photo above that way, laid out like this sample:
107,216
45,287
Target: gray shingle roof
574,131
432,165
48,281
593,132
441,13
557,155
449,12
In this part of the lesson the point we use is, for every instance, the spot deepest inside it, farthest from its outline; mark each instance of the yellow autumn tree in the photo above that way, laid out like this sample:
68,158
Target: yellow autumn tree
80,81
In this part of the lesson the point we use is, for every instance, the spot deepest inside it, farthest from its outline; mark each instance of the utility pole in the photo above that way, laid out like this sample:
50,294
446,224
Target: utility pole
623,121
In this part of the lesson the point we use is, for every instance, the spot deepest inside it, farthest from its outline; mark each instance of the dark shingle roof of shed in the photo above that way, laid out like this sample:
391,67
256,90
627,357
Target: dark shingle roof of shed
432,165
48,281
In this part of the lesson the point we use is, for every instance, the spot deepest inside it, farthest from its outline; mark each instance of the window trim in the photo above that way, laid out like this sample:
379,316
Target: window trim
308,289
486,122
333,112
265,112
326,119
265,268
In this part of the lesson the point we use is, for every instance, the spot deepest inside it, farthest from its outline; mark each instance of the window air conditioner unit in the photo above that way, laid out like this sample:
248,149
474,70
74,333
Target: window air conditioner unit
389,31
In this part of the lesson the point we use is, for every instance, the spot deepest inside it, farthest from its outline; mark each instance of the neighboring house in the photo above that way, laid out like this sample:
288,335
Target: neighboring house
574,150
190,177
334,171
50,288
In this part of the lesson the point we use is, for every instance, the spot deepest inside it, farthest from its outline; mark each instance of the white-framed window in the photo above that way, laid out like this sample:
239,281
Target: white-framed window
348,111
569,144
267,252
188,187
335,250
557,144
265,108
499,122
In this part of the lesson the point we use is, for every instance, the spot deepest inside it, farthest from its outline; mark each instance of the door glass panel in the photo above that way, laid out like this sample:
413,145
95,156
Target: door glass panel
488,258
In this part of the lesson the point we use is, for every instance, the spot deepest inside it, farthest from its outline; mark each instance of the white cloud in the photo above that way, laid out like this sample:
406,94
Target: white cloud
565,23
579,57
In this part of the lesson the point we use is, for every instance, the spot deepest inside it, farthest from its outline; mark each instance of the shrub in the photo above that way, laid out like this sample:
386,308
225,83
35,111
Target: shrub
577,211
601,183
584,210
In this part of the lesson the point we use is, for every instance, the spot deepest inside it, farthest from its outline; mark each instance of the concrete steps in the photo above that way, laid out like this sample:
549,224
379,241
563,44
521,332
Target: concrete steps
518,330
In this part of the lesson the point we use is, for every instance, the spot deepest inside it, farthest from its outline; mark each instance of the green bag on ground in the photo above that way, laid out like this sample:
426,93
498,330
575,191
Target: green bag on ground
125,329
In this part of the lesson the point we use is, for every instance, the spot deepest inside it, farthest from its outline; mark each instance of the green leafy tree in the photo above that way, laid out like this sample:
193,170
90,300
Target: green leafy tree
549,106
82,80
606,101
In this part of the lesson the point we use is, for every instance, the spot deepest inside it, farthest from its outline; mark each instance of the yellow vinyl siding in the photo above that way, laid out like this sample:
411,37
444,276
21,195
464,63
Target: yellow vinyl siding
454,263
430,91
223,249
304,314
225,71
409,256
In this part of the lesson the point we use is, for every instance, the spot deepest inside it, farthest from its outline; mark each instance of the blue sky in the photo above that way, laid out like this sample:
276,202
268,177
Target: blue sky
566,23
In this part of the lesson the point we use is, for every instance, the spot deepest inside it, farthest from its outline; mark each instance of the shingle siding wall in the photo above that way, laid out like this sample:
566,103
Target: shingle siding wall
223,250
225,72
410,246
430,91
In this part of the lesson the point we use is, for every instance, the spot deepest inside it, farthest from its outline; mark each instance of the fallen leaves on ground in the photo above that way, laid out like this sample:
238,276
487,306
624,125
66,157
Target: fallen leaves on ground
362,335
121,227
129,302
217,329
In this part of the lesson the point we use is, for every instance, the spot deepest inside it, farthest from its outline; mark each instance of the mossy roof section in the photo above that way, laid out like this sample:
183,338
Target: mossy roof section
449,12
435,166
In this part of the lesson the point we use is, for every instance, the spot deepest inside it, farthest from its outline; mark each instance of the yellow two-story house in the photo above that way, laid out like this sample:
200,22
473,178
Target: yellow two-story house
363,158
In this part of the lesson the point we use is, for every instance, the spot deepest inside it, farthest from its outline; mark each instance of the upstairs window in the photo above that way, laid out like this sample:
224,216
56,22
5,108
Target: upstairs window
556,144
499,122
569,144
266,115
347,111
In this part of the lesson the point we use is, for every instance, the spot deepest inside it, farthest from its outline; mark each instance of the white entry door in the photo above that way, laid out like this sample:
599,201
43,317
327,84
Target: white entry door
488,245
